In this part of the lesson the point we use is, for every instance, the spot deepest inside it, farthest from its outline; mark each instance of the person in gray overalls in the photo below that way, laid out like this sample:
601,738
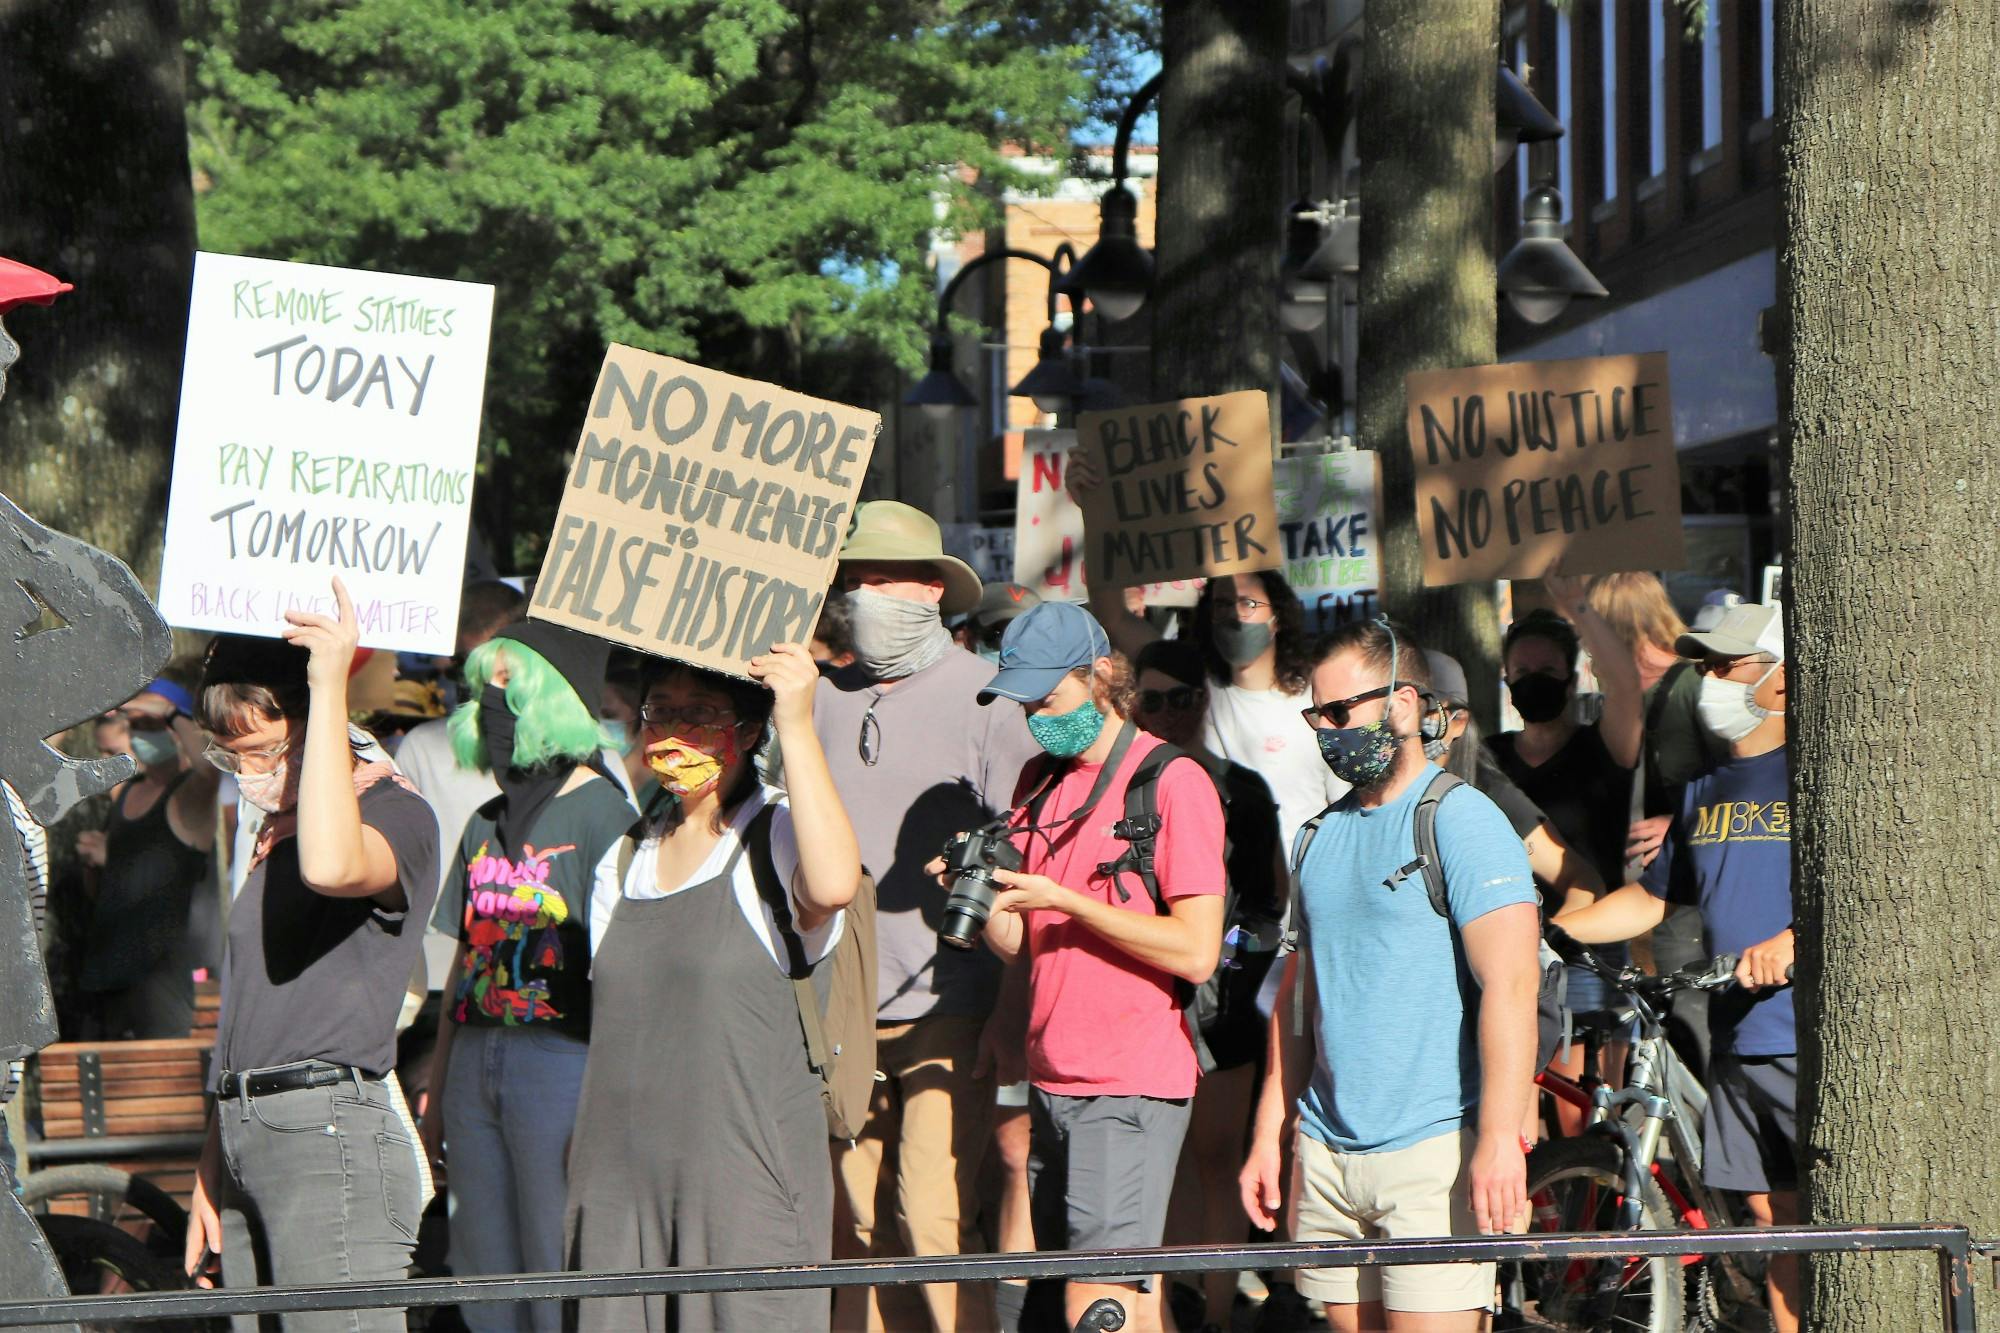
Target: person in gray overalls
701,1136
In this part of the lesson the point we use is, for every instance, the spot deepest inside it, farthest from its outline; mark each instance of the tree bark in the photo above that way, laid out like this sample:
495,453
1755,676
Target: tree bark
1425,135
95,163
1890,286
1215,288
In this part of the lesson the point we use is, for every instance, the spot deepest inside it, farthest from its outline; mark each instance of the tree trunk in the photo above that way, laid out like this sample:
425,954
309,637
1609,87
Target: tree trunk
1425,134
1222,109
93,151
1890,287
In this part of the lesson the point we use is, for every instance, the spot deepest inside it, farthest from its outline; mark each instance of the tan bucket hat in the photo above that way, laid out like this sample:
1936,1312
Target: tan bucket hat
891,530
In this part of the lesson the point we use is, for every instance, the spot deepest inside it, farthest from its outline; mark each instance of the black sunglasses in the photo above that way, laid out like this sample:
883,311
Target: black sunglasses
1335,712
1178,698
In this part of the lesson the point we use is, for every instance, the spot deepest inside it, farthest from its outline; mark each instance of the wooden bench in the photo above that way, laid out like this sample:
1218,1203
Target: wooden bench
121,1092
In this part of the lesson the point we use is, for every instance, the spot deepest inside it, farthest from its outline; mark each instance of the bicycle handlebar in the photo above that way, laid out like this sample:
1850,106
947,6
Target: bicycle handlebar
1718,973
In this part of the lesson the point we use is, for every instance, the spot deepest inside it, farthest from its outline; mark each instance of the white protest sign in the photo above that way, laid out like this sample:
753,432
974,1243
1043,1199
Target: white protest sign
1328,512
1048,529
329,425
990,551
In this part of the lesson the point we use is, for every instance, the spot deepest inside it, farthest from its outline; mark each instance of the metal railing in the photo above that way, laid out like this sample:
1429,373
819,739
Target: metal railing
1953,1246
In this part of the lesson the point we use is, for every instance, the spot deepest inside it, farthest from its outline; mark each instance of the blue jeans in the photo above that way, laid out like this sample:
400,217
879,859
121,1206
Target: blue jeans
510,1099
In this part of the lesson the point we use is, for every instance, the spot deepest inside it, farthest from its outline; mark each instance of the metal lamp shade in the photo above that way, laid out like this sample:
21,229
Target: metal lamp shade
941,391
1541,273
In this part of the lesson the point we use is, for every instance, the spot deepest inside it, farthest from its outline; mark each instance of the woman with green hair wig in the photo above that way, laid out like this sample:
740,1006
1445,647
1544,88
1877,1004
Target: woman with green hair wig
538,868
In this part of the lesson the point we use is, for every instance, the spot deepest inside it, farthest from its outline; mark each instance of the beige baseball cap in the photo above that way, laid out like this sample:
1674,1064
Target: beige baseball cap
1743,630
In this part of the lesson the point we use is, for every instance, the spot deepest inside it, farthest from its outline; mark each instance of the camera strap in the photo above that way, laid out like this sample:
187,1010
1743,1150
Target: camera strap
1053,773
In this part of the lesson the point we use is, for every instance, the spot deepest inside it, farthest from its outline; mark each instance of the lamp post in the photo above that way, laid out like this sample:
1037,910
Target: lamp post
1116,274
941,391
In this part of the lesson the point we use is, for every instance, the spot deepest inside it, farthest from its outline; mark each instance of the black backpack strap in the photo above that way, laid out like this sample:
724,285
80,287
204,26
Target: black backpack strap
1424,826
777,897
1140,828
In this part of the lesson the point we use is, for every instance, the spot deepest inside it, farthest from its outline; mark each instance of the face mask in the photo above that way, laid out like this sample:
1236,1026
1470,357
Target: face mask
496,727
154,747
1729,708
895,637
268,791
1539,698
1359,756
1240,644
990,654
689,763
1067,735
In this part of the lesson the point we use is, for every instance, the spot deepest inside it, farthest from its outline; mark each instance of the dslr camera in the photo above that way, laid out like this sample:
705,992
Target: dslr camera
969,862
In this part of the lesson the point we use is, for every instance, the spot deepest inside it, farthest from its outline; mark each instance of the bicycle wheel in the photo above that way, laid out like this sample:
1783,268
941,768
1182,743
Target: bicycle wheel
1576,1185
98,1259
111,1195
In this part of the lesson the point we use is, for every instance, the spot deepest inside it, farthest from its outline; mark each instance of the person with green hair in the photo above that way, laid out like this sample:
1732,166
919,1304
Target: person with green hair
538,871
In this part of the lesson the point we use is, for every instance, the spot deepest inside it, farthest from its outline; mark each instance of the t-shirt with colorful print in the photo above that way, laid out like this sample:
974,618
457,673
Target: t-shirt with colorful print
526,925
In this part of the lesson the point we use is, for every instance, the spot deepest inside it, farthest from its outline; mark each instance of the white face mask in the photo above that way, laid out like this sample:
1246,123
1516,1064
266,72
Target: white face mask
268,791
895,637
1729,708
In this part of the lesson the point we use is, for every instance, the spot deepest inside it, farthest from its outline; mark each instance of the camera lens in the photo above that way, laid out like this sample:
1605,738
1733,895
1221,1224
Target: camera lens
966,910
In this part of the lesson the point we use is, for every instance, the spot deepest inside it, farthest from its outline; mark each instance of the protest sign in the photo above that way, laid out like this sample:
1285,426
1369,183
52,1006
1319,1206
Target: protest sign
990,551
703,513
329,425
1328,508
1048,529
1187,489
1523,465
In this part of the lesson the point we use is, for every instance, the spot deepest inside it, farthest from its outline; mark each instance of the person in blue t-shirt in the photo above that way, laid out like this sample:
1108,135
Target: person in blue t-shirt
1730,854
1409,1088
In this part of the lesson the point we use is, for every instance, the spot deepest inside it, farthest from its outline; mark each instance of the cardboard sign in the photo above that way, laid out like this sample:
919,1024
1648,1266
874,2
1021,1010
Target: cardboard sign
1187,489
1328,520
1524,465
329,425
1048,529
703,514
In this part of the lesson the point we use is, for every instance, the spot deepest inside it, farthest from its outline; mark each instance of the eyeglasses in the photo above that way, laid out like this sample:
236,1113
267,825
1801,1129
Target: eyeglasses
1722,666
1179,698
1249,606
870,743
231,761
695,715
1335,713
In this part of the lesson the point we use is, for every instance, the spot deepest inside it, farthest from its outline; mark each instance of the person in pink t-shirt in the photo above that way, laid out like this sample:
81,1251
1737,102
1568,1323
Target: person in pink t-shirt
1109,1054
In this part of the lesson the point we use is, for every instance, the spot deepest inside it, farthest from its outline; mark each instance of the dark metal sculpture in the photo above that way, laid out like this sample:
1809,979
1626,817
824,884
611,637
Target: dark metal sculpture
78,635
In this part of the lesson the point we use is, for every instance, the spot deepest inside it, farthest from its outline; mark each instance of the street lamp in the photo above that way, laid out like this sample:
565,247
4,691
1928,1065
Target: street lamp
1054,383
1541,273
941,391
1518,118
1116,274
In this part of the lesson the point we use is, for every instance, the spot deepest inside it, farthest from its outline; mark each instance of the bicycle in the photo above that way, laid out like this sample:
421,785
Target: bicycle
1613,1178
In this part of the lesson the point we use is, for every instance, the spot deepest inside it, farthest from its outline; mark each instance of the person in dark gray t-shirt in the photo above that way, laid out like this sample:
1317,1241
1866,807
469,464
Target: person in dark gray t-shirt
309,1173
916,759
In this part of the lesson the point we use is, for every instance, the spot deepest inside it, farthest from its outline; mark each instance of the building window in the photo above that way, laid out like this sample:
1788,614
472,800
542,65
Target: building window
1608,46
1566,111
1711,77
1656,87
1768,48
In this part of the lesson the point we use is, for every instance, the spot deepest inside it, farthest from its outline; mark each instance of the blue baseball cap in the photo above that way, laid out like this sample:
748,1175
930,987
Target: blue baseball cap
1041,646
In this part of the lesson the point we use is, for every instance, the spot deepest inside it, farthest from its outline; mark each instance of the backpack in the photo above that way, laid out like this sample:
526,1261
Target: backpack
1139,830
840,1032
1552,996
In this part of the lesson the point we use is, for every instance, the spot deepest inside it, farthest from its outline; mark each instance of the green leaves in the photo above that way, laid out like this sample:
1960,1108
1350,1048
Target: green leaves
753,183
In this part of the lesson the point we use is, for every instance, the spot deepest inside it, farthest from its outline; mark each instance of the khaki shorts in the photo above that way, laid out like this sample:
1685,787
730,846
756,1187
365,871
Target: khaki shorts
1421,1190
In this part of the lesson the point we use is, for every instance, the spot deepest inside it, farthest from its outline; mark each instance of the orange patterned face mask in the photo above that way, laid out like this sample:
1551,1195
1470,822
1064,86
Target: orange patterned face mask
688,765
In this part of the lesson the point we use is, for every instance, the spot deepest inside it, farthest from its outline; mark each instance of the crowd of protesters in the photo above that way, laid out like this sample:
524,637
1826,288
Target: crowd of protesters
597,896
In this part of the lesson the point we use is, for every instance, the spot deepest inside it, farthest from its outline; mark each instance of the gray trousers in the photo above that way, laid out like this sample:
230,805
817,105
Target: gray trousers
321,1185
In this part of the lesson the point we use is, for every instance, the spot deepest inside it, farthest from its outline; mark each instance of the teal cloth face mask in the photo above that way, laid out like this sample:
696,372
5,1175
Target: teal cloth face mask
1067,735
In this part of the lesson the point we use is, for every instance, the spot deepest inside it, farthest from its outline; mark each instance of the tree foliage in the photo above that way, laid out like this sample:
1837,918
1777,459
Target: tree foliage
752,183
